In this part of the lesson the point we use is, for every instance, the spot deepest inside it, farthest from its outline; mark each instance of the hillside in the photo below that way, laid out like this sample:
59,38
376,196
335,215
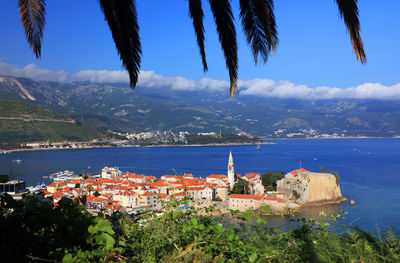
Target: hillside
22,122
119,108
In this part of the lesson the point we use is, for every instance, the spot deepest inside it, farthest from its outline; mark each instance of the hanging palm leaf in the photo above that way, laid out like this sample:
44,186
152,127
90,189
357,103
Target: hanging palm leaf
32,14
122,20
349,11
259,26
196,13
223,17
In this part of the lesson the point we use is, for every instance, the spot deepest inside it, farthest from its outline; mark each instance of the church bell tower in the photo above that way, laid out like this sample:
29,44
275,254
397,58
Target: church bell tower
231,171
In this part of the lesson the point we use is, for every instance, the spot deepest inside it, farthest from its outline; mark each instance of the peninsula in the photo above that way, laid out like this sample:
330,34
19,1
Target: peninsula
114,190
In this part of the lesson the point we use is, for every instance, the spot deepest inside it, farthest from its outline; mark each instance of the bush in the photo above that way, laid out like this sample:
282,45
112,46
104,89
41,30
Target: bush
32,231
217,198
296,194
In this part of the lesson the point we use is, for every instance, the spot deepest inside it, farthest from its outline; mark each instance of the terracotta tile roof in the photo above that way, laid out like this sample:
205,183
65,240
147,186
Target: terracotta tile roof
157,184
240,196
162,195
295,172
136,176
94,199
259,197
129,193
180,194
149,178
148,194
195,188
45,192
171,176
251,175
217,176
113,207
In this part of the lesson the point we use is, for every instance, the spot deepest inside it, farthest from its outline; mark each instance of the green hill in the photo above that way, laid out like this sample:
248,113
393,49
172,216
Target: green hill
22,122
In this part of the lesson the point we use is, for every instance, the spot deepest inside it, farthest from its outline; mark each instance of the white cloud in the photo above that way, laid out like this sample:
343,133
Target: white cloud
255,87
287,89
101,76
33,72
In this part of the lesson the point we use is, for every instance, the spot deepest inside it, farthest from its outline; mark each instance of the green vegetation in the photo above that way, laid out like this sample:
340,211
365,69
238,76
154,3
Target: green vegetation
216,139
296,194
217,198
11,108
29,123
331,171
269,180
4,178
265,209
34,231
241,187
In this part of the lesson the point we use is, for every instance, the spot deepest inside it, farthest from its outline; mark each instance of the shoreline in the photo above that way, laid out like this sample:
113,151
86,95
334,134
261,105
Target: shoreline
324,203
194,145
137,146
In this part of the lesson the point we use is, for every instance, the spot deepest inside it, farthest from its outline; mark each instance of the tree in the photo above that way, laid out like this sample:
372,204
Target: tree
257,17
240,187
269,180
4,178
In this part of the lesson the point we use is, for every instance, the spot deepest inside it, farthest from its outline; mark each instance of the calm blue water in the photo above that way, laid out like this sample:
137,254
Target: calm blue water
369,168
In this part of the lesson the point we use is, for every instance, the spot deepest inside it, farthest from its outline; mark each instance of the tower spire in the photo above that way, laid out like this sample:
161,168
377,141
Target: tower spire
231,171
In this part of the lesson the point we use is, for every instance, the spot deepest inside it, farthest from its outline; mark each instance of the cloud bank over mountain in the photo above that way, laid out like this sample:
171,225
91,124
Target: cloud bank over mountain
257,87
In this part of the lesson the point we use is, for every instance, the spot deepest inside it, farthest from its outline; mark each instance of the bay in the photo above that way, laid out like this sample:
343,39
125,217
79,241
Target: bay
369,169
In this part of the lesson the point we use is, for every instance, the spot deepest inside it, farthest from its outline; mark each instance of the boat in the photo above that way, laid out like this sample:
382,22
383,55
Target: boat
17,161
63,176
258,147
36,189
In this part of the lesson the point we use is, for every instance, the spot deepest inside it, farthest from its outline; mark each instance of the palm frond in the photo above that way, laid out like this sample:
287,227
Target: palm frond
122,20
259,26
32,13
196,13
349,11
223,17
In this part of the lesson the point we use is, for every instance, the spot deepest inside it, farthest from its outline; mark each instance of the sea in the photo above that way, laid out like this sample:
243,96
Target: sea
369,171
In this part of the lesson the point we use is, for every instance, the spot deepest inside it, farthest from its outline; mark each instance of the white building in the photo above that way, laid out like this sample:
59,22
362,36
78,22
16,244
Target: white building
231,171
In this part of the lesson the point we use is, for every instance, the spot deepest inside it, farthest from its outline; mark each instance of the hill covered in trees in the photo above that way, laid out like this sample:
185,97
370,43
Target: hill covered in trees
22,122
118,108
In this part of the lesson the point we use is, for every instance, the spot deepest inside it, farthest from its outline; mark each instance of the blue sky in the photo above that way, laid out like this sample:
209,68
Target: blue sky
314,49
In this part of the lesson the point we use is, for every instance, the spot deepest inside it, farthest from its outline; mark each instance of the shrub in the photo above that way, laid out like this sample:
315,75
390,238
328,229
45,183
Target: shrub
296,194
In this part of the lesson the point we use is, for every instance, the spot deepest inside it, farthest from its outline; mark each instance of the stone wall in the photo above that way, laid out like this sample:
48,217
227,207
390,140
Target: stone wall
311,187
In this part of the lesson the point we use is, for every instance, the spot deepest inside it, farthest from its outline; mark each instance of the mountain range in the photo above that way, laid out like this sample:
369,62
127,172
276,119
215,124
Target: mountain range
116,107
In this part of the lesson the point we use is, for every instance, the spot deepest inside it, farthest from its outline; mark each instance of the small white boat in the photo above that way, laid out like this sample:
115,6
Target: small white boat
63,176
258,148
36,189
17,161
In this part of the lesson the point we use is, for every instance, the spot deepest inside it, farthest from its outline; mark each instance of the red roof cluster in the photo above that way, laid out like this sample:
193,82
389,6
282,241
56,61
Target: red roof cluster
295,172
